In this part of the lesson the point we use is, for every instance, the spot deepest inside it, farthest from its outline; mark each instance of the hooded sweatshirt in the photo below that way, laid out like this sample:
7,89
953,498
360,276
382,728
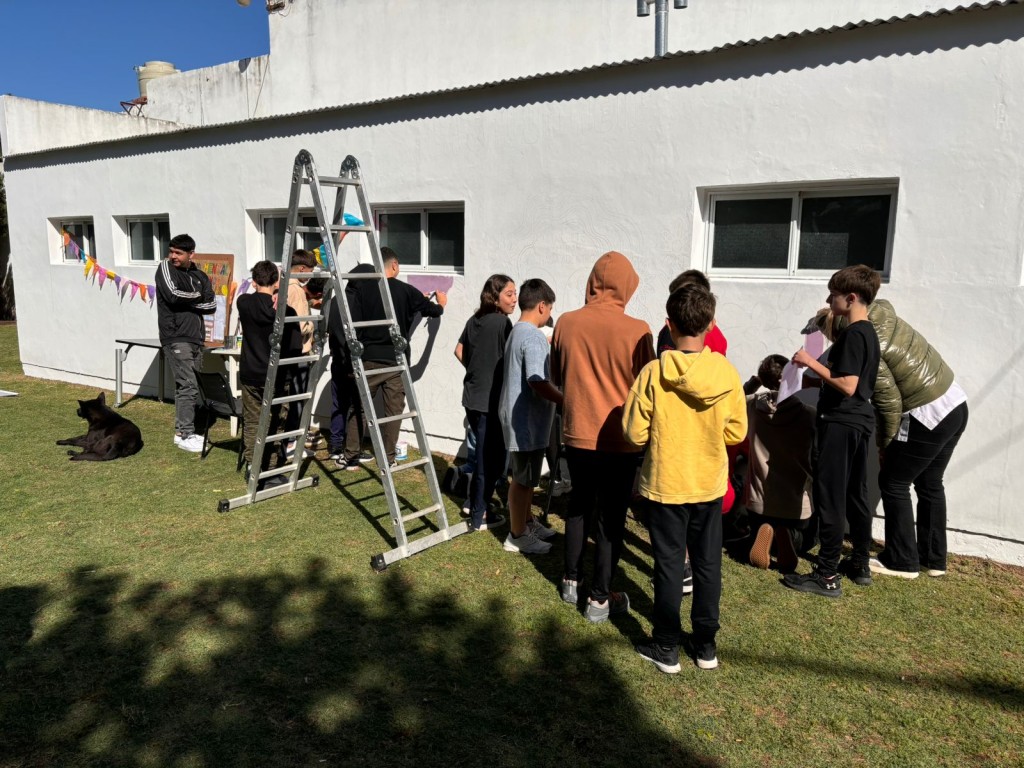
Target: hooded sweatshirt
597,352
686,408
779,468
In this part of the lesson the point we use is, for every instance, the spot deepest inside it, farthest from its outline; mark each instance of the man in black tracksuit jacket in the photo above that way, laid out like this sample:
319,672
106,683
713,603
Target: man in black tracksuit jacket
378,350
183,296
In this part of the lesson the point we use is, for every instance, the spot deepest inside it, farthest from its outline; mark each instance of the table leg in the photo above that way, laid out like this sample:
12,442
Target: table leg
160,383
232,366
118,376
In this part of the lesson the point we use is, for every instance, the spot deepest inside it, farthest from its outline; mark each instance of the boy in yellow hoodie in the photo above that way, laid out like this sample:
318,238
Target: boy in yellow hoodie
686,407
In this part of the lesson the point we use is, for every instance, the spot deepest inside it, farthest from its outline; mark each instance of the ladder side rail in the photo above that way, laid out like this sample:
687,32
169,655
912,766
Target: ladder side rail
411,400
276,335
355,348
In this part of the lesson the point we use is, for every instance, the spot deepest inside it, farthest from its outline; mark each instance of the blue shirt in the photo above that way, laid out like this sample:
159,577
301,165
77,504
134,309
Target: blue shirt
526,417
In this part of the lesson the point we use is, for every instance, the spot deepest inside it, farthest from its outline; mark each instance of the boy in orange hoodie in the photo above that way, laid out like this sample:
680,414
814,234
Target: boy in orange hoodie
596,354
686,407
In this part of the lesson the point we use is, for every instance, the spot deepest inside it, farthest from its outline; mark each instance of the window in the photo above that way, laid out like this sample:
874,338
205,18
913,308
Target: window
273,226
810,232
426,238
81,233
149,238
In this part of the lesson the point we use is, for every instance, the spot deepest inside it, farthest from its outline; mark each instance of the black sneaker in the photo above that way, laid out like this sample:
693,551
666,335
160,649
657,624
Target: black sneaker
364,457
815,583
687,578
705,653
664,657
858,574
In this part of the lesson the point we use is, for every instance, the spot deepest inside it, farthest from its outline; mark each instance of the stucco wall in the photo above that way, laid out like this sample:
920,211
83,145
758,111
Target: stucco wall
556,172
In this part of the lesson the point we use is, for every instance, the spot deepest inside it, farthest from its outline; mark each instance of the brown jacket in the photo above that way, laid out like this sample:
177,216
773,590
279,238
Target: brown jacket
597,352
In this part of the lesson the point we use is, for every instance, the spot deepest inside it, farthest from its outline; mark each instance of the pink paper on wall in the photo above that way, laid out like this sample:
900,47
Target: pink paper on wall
430,283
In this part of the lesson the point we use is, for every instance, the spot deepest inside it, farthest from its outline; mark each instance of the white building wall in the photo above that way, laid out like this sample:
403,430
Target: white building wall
556,172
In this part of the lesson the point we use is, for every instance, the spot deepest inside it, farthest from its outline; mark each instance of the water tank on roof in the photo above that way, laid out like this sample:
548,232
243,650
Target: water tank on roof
152,70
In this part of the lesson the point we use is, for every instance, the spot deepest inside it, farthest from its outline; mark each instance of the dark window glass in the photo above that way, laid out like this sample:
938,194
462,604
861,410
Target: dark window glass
836,232
141,235
752,234
401,233
81,233
445,235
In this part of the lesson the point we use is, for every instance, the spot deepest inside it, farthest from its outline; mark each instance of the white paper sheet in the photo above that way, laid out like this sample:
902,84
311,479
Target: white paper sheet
792,381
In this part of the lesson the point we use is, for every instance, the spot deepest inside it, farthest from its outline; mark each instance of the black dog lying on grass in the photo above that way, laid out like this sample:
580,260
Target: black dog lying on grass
110,436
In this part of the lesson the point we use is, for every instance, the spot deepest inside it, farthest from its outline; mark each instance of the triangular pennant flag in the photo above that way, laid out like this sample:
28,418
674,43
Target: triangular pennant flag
152,292
135,288
101,275
116,279
66,236
88,268
142,291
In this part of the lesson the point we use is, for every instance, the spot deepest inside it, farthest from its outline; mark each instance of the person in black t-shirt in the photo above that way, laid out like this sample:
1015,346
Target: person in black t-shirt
257,313
481,350
842,433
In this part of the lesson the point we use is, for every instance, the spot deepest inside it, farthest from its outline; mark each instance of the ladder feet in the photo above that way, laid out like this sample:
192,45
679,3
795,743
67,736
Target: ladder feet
316,480
223,505
377,563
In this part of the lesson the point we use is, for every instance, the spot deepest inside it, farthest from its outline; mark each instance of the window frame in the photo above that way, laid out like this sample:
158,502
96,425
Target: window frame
155,220
262,217
424,210
63,224
797,193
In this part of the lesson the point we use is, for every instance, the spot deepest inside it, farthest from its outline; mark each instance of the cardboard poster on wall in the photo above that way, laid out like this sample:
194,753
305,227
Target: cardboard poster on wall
220,268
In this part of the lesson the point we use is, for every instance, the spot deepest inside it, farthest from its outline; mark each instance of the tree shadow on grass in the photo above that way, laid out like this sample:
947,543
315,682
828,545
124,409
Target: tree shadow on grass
279,669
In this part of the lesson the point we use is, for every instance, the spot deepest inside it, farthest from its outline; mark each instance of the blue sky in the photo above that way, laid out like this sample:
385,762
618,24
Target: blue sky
82,52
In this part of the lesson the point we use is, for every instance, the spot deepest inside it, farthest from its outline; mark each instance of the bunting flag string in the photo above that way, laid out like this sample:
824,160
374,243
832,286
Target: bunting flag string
101,274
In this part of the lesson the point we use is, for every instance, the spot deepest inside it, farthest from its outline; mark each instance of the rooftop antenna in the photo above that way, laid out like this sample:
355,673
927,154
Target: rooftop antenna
643,8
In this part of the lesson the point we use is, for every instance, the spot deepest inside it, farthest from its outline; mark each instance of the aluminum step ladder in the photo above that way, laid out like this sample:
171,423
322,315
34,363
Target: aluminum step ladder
333,224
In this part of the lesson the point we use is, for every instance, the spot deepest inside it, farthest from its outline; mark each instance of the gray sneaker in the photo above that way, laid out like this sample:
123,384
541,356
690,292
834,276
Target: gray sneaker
527,544
570,592
617,602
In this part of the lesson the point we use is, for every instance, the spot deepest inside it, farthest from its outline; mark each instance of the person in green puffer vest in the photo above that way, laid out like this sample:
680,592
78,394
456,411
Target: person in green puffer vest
921,414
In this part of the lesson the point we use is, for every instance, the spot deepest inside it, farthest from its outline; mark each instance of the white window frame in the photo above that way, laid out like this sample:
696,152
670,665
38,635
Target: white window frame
89,248
155,220
797,193
424,210
301,237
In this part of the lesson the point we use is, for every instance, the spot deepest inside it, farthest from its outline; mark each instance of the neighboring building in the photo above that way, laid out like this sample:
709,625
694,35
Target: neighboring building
782,139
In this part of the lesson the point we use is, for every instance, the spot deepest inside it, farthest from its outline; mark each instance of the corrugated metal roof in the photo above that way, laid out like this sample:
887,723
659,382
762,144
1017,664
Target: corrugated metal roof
966,7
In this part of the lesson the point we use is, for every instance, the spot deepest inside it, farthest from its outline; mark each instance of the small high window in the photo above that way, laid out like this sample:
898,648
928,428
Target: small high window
431,238
81,233
149,238
800,232
272,226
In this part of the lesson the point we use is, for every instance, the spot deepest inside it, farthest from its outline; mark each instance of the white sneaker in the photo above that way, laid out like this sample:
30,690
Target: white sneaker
192,443
538,529
876,566
527,544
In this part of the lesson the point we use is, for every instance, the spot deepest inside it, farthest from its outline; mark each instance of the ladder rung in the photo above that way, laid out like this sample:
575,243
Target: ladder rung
379,371
410,465
292,398
420,513
279,436
337,181
362,275
371,323
322,273
294,360
303,318
334,228
285,468
399,417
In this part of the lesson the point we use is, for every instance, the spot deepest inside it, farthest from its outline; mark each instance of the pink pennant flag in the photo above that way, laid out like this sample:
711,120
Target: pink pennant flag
101,275
135,288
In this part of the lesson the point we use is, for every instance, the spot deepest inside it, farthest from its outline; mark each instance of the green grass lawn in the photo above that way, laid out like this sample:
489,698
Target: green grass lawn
140,627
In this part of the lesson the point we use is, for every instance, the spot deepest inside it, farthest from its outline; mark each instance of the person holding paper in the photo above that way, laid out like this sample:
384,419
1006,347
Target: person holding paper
842,430
921,413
